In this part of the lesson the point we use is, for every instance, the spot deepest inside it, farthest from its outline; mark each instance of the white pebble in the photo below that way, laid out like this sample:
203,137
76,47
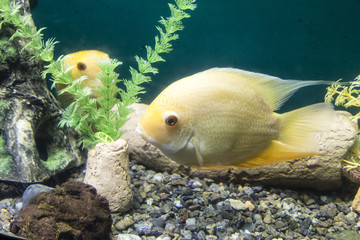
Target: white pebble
196,184
127,237
177,203
159,177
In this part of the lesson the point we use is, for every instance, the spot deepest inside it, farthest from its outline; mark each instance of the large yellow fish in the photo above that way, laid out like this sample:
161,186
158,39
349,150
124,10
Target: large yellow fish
85,64
225,117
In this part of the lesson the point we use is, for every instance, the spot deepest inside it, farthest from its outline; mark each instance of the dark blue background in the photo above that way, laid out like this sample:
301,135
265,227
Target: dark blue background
297,39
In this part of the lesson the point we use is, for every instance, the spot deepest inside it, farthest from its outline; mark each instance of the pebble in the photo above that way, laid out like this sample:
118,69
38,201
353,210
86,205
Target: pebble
143,228
238,205
159,177
196,184
268,219
202,209
170,227
31,191
178,204
250,206
351,218
190,224
127,237
328,211
124,223
248,190
186,234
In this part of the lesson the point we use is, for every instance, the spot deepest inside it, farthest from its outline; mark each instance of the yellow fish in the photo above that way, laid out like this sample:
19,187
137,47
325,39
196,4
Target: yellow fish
224,117
84,63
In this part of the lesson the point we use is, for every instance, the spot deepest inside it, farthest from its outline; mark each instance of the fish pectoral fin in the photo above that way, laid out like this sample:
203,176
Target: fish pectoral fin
197,151
275,153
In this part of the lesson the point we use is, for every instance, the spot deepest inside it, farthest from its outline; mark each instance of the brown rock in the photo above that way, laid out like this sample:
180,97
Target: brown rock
73,211
107,170
322,172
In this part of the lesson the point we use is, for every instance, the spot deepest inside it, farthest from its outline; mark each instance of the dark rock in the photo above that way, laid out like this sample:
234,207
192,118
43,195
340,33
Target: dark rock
250,227
260,228
328,211
32,191
248,190
156,212
156,231
158,222
73,211
222,226
143,228
194,207
280,225
178,182
326,224
11,189
214,198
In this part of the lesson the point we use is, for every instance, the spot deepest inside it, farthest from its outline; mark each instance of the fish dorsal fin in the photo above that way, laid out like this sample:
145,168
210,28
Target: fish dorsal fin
274,90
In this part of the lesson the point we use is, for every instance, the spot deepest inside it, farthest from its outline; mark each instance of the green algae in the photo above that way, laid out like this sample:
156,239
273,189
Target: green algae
5,157
57,160
7,51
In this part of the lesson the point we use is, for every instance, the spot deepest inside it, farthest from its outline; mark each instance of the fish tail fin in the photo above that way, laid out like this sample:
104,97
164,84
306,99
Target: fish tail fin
296,139
298,126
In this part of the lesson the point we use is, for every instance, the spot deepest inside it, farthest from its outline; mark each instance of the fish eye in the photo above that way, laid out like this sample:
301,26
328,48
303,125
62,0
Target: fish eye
81,66
170,118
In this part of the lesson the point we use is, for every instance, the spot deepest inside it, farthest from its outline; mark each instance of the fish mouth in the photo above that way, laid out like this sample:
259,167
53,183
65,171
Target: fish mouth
140,131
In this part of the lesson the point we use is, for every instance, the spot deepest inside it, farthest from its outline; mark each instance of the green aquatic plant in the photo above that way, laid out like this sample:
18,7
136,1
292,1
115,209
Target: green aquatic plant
347,96
24,30
167,33
352,158
96,118
100,119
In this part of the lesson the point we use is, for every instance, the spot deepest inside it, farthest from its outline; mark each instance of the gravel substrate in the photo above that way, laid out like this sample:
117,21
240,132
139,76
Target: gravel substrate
170,206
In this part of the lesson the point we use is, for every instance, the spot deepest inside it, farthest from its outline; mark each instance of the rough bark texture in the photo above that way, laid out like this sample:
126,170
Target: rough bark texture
108,171
32,146
322,172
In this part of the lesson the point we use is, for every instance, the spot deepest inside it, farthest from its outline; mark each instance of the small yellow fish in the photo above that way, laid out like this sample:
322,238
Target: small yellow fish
224,117
84,63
